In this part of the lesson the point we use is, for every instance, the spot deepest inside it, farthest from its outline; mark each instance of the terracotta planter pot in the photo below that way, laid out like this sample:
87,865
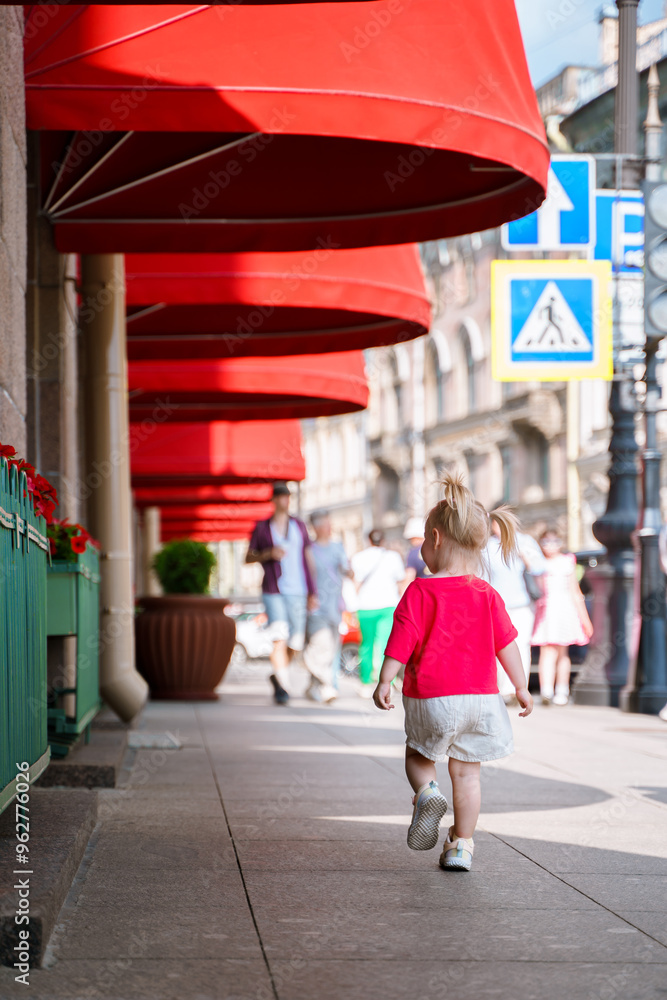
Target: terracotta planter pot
184,643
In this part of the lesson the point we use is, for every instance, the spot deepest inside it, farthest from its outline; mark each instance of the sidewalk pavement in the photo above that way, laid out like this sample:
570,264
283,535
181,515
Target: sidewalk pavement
266,860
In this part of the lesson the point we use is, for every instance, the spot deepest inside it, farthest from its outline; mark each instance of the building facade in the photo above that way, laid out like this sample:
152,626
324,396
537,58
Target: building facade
541,447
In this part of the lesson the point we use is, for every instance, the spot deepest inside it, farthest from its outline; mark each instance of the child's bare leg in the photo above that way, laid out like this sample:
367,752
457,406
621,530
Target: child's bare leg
280,657
466,796
563,667
419,769
547,669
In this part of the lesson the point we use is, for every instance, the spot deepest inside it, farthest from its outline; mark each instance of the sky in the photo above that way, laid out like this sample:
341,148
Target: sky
557,33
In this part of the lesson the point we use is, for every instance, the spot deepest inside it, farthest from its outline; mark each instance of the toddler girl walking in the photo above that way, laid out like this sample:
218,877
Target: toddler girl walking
448,630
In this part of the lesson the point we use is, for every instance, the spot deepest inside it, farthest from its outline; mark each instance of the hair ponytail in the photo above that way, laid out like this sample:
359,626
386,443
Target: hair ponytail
458,497
508,523
465,525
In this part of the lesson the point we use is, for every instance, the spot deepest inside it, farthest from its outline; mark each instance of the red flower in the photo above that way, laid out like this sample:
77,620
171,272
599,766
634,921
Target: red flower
78,544
7,451
52,546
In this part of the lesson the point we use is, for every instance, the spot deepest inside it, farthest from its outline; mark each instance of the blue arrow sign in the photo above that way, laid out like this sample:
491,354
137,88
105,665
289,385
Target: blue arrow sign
566,219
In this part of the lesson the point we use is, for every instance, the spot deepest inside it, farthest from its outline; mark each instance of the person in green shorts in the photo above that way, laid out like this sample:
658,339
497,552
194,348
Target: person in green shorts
378,576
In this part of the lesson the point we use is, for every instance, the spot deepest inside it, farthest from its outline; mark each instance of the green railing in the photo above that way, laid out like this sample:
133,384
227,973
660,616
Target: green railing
73,609
23,554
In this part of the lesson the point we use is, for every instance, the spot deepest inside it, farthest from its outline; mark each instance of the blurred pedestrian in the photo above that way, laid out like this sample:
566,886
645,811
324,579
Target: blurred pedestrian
281,544
379,574
323,639
512,580
561,619
415,565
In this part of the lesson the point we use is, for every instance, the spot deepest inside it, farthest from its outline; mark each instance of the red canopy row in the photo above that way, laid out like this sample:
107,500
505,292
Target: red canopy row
223,532
165,456
228,493
284,127
234,305
191,135
249,388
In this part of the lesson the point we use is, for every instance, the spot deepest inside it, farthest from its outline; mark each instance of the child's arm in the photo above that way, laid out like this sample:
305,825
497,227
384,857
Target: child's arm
510,659
382,693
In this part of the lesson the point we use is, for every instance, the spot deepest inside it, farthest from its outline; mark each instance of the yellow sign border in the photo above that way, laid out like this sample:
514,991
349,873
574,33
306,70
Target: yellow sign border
505,370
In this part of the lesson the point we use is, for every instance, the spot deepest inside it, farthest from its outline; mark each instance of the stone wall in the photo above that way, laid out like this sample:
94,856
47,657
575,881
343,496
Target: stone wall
53,431
13,231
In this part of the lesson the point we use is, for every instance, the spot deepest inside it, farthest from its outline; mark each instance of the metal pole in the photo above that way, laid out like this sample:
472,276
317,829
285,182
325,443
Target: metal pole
647,687
627,90
602,679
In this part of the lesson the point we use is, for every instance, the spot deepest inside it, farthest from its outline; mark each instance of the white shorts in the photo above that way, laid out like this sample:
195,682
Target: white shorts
471,727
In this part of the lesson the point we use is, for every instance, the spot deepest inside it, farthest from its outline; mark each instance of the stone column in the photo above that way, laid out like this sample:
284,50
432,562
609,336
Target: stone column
151,546
108,474
13,158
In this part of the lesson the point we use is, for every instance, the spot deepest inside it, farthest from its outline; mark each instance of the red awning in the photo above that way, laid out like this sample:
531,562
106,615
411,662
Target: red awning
234,305
217,512
248,388
230,493
200,454
228,532
243,127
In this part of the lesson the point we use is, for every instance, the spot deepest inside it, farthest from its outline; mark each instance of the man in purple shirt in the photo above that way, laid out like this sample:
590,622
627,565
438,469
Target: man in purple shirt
281,545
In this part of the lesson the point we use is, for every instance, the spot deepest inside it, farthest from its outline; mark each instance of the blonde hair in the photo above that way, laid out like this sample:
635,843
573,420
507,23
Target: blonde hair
466,525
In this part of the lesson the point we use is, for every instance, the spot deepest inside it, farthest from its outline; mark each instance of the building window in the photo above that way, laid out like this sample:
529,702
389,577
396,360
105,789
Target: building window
543,463
434,380
506,460
471,370
475,467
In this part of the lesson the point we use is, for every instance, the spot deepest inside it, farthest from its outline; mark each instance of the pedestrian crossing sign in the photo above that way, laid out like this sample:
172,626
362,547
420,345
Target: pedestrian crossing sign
551,320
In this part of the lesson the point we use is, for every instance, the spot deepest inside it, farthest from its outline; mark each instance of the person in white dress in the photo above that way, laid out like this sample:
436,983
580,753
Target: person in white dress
561,619
509,580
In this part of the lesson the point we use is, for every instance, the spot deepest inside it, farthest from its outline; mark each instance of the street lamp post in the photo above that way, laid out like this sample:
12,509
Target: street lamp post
646,690
613,581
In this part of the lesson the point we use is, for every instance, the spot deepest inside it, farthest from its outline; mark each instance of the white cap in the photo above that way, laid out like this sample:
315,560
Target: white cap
414,528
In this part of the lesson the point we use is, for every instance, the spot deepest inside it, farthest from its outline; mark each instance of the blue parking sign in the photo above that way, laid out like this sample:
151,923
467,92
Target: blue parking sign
620,230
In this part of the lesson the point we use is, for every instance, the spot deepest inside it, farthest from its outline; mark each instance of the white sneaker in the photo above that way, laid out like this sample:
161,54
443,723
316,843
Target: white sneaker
328,693
366,690
429,808
457,853
561,695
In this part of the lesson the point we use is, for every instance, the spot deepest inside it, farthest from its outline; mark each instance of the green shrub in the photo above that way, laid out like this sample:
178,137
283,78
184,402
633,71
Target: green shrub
184,567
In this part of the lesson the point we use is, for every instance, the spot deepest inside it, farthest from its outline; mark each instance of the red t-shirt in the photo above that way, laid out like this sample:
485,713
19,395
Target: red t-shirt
447,630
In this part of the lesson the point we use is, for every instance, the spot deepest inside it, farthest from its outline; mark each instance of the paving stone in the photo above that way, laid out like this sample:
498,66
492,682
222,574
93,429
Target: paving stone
162,935
159,804
144,979
646,892
188,767
562,858
147,892
471,891
651,922
452,933
388,979
342,856
141,849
